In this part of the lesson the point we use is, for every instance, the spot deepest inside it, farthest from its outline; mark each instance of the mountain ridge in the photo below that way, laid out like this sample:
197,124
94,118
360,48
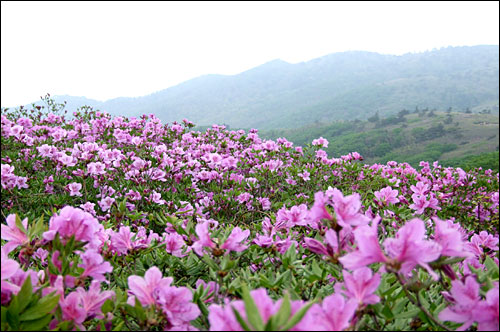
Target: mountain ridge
344,85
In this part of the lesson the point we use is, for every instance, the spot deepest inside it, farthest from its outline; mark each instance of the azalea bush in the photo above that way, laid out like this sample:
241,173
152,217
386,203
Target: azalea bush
130,224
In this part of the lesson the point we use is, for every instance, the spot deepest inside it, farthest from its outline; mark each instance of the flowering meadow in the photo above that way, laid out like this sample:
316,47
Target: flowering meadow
131,224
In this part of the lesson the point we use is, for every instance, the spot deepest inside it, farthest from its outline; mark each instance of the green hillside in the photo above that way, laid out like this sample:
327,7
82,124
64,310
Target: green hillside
454,139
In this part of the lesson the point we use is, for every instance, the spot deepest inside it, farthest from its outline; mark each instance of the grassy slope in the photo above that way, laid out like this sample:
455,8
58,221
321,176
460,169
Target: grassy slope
467,134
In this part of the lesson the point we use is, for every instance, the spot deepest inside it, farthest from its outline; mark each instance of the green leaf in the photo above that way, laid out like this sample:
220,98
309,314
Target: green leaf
316,269
240,320
298,316
25,294
284,313
36,324
13,320
107,306
139,310
408,314
20,225
251,310
119,327
492,267
43,307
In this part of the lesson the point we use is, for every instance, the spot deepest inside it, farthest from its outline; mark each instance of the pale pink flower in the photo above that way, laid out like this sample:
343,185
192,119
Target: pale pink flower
320,142
347,209
176,304
318,210
93,299
72,309
12,234
360,285
420,202
486,314
106,203
317,247
368,248
72,221
449,238
466,297
94,265
387,195
9,267
410,248
174,244
144,288
334,314
75,188
234,240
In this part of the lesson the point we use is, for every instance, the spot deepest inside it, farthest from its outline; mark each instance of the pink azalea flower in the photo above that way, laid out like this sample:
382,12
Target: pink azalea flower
12,234
360,285
177,306
466,297
234,240
106,203
72,309
347,209
387,195
121,241
144,288
8,268
174,244
410,249
368,248
75,188
93,299
450,239
486,314
94,265
334,314
420,202
72,221
318,211
317,247
420,189
204,238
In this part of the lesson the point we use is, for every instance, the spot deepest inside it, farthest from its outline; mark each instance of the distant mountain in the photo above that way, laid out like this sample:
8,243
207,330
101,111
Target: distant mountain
347,85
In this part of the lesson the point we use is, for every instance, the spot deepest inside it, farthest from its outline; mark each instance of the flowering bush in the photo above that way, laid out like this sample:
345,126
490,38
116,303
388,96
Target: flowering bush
129,224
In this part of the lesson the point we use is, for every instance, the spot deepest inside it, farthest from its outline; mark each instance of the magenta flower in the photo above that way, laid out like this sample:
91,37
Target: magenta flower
177,306
368,248
487,312
387,195
144,288
74,189
121,242
94,265
72,309
106,203
93,299
410,249
234,240
450,239
9,268
466,297
360,285
174,244
318,211
420,202
72,221
317,247
334,314
204,238
347,210
12,234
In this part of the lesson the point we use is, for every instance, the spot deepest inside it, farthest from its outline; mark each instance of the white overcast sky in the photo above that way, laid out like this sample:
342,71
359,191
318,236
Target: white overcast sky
104,50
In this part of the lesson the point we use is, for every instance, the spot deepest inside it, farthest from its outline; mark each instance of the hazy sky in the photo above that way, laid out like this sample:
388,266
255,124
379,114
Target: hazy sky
104,50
